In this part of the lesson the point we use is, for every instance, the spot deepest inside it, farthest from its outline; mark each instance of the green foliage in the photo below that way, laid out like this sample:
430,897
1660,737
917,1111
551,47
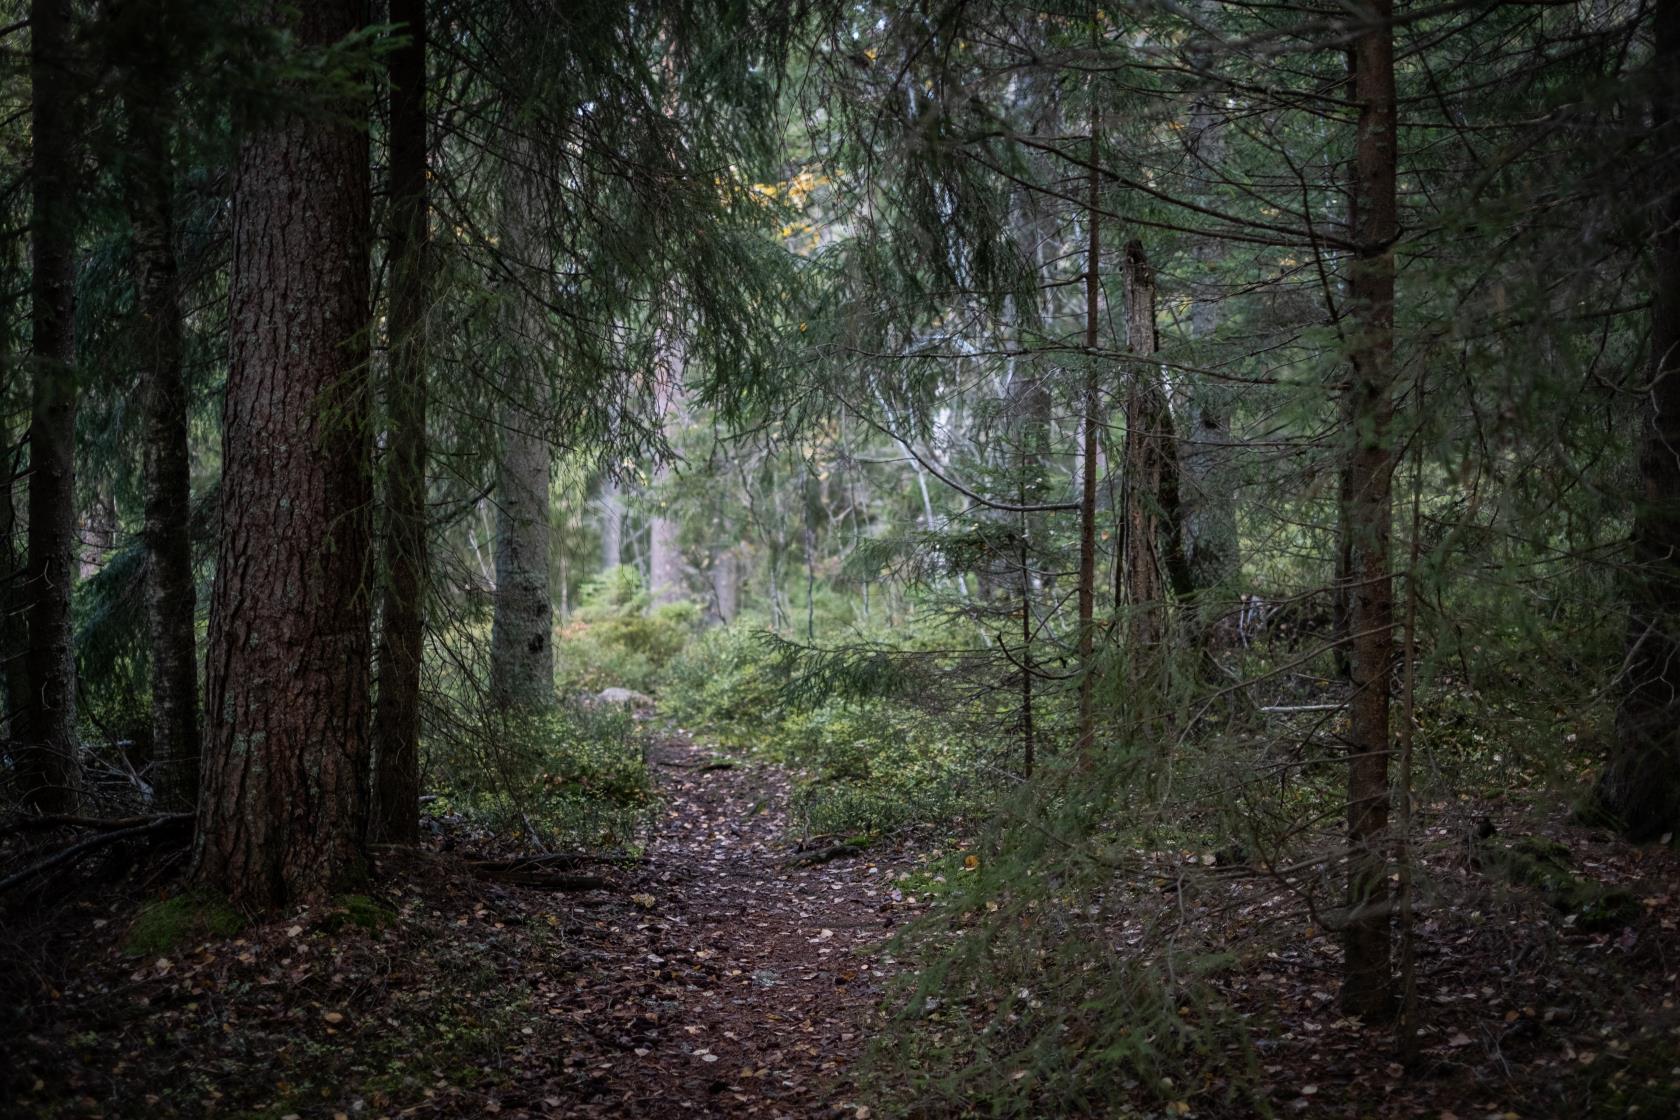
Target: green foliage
875,766
867,763
1049,977
573,777
360,911
726,682
617,638
185,919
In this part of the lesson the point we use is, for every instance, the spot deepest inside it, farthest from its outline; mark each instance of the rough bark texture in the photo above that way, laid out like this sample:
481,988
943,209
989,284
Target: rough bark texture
396,716
171,598
1152,558
1641,786
522,629
1367,984
283,811
48,762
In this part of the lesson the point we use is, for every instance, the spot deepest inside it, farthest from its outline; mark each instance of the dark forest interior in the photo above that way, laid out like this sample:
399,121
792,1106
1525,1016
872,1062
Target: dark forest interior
839,558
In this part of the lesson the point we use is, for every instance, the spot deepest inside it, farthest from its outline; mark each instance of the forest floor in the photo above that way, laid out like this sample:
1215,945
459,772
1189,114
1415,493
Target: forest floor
717,976
720,976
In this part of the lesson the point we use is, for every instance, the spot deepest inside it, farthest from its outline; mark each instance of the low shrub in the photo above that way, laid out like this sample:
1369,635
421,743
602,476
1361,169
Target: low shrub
576,777
617,637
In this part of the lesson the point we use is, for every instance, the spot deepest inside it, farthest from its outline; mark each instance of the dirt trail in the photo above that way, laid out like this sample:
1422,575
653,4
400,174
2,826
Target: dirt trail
743,985
712,979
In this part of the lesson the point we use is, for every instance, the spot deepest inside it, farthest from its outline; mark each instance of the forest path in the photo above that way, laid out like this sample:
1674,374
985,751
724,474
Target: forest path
744,983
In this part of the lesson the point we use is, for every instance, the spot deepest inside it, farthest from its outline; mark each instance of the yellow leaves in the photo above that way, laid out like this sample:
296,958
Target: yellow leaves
971,862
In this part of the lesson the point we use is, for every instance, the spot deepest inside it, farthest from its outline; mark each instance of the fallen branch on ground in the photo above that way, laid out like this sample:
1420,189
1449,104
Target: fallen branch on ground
544,880
82,848
825,855
552,859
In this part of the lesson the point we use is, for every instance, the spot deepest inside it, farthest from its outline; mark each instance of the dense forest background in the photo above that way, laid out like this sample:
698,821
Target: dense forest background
1186,494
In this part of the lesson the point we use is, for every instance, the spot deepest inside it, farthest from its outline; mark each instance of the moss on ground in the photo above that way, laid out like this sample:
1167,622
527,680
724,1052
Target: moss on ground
166,925
360,911
1531,861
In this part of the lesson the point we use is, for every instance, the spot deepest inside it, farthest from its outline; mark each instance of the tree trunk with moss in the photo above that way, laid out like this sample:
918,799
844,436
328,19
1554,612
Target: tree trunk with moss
522,627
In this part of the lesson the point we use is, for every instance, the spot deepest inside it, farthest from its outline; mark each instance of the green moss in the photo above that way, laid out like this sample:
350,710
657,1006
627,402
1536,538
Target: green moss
360,911
165,925
1531,861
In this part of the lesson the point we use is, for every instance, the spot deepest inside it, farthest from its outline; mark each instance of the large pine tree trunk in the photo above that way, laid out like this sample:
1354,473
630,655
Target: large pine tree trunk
1367,984
522,627
48,763
171,598
396,716
283,811
1641,786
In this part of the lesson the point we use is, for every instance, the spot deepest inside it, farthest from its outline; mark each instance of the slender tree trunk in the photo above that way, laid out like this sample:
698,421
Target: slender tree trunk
612,526
1088,455
48,762
726,583
1367,986
1641,786
282,814
396,715
522,628
171,598
666,579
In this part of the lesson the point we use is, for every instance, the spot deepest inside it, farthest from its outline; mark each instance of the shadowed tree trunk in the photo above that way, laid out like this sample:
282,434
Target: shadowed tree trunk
1641,786
283,812
1367,982
522,629
14,637
396,715
171,598
1152,553
48,763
